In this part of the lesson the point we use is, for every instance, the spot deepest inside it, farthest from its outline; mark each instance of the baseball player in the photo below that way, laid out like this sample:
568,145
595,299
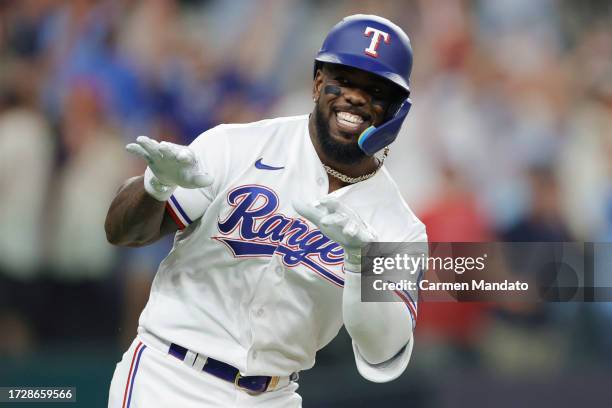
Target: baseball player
270,218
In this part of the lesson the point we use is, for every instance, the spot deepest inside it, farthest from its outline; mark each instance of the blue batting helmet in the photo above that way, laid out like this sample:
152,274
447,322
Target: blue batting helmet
376,45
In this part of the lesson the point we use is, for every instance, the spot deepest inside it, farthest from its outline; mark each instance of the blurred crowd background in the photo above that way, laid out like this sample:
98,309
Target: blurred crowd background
509,139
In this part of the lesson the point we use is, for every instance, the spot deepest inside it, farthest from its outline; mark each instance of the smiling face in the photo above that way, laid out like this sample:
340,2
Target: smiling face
348,101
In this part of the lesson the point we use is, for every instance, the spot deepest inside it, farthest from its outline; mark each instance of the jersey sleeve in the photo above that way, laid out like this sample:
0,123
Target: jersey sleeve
387,370
414,241
186,205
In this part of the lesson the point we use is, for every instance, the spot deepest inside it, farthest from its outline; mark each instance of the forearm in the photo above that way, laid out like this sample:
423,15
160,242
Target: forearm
134,217
380,329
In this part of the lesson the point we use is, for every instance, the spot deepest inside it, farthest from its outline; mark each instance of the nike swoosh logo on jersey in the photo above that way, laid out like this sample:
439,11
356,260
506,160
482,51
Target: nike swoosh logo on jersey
262,166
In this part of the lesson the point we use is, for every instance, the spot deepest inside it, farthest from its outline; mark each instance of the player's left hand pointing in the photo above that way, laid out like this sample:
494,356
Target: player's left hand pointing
342,224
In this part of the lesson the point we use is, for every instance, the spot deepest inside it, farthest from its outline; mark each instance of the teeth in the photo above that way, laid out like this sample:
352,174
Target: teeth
349,117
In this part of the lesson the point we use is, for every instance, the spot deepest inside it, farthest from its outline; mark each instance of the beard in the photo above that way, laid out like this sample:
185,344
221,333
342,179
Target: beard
344,153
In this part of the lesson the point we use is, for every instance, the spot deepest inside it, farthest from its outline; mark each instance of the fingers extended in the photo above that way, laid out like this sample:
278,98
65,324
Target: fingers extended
310,212
166,149
331,203
150,146
138,150
334,219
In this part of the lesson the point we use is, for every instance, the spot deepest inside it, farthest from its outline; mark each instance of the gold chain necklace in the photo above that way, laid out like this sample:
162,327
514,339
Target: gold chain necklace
353,180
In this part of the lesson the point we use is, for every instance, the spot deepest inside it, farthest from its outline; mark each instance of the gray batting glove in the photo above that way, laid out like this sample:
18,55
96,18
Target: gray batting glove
170,165
342,224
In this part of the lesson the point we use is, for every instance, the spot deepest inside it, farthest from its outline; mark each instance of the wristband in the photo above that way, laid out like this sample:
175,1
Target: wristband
352,260
157,190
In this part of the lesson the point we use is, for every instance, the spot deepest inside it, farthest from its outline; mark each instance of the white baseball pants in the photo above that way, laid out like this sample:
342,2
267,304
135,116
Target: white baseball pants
147,377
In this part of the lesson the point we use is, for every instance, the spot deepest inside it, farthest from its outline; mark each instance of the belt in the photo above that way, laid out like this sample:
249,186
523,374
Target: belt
252,384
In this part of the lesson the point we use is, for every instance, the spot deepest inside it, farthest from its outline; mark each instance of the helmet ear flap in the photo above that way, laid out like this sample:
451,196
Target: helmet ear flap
395,105
374,139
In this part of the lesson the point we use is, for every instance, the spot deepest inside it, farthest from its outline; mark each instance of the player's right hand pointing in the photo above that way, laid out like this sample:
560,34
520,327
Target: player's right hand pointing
171,165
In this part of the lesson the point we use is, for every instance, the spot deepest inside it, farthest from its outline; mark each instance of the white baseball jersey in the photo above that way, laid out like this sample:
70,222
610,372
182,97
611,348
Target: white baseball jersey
248,281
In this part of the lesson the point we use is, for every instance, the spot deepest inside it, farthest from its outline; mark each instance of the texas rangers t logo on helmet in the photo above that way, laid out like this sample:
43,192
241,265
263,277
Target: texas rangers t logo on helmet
378,34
